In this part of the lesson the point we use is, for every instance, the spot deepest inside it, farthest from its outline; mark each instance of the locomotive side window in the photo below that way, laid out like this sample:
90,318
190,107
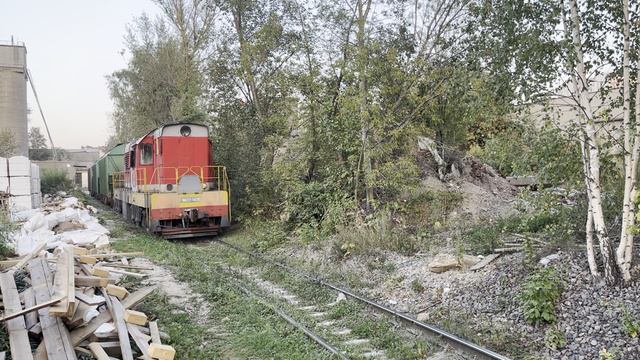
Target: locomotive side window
133,157
146,156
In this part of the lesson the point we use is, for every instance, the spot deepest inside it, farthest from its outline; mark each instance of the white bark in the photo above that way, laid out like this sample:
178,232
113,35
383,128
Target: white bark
611,273
623,254
591,257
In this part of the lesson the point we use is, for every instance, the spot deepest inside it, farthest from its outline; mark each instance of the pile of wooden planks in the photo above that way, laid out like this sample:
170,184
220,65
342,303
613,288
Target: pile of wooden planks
72,304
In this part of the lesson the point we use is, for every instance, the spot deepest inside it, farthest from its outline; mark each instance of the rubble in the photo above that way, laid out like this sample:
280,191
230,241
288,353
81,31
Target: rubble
446,262
74,302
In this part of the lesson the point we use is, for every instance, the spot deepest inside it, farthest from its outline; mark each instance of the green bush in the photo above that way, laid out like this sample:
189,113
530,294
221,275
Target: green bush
555,339
539,296
53,181
630,325
6,228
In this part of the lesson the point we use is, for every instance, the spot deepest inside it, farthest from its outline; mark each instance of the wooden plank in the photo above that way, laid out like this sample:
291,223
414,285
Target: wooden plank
134,298
98,351
31,318
140,341
508,250
93,281
155,332
56,342
484,262
78,335
30,310
18,338
123,272
89,300
64,284
125,266
117,291
105,256
117,313
162,352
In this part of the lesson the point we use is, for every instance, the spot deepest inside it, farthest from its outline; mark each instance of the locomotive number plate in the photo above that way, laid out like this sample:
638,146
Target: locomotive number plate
190,200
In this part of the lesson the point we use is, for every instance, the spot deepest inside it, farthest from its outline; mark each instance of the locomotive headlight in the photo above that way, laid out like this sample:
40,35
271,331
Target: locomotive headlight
185,131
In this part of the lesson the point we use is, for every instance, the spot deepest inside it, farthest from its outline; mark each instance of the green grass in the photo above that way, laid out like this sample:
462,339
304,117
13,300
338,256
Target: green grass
255,331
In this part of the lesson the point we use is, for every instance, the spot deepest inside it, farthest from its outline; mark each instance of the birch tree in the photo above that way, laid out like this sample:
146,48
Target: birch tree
591,152
631,153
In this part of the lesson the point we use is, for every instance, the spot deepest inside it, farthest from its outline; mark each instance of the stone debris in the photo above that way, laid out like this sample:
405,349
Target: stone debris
446,262
73,304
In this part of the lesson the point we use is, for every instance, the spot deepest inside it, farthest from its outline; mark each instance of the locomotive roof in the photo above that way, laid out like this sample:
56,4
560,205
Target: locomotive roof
158,131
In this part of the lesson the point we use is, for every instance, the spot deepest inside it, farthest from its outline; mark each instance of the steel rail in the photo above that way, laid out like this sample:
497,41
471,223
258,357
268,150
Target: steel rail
451,339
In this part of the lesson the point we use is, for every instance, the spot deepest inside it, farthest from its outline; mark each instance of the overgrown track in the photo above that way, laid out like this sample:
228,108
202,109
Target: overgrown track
313,336
452,340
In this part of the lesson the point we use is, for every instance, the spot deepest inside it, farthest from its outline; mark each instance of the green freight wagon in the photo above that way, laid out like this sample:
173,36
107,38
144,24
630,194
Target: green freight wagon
93,180
112,162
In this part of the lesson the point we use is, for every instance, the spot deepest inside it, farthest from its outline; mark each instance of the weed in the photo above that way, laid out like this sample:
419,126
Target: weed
539,296
6,228
611,354
630,325
379,233
416,285
555,339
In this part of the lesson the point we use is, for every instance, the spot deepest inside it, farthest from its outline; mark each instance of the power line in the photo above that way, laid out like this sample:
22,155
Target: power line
35,94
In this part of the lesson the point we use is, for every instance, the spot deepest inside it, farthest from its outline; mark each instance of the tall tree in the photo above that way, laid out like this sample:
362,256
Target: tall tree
8,143
38,149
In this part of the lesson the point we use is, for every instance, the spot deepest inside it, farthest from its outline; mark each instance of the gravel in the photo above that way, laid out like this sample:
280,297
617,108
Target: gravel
483,305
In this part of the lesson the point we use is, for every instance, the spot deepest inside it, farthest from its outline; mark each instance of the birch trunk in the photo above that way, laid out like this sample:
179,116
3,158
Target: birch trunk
591,257
626,237
611,272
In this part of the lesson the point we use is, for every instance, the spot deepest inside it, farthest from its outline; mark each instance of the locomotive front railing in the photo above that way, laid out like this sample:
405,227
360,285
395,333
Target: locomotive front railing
213,177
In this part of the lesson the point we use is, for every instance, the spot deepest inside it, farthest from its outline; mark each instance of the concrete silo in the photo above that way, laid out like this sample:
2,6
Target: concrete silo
13,94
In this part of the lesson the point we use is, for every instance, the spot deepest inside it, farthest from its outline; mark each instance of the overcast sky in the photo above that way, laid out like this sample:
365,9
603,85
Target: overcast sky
71,46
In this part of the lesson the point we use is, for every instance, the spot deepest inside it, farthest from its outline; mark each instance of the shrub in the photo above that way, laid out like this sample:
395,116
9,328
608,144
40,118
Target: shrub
53,181
267,234
6,228
555,339
539,296
378,233
630,325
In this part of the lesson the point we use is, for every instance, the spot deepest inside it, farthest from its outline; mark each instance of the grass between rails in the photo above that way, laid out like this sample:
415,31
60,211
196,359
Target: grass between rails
254,331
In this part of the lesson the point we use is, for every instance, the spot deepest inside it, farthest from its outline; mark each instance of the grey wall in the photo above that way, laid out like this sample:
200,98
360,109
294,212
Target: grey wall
13,94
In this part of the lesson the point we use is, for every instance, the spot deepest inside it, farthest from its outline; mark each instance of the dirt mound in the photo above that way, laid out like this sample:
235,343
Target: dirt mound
486,194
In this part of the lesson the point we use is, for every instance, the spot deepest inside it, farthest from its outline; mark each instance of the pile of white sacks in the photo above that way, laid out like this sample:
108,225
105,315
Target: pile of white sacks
21,179
58,222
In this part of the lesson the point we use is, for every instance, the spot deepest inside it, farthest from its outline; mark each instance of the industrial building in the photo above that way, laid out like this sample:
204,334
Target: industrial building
13,94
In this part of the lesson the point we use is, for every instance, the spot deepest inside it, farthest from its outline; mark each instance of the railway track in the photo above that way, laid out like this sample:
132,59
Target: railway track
464,346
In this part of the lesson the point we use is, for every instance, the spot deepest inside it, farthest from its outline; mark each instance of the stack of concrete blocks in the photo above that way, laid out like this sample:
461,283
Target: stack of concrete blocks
21,179
4,175
36,194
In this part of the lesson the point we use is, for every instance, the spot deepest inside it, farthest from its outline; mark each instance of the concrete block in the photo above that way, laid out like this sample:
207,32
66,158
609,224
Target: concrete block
35,171
4,184
3,167
20,185
20,202
36,200
19,166
35,185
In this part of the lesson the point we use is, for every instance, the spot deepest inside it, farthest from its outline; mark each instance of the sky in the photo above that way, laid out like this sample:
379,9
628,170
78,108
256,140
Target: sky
71,46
